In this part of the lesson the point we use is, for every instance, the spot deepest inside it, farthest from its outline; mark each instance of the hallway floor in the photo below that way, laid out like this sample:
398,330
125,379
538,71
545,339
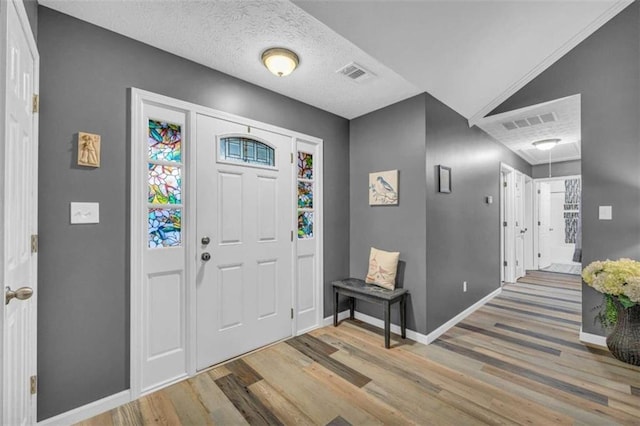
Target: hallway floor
516,360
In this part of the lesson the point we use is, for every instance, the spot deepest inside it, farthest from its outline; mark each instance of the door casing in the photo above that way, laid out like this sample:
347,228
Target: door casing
138,231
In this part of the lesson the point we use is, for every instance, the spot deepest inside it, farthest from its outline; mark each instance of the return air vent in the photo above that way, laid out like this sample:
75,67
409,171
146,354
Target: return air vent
529,121
355,72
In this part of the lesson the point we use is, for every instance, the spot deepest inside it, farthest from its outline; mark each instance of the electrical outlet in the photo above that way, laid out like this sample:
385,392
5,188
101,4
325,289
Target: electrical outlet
464,286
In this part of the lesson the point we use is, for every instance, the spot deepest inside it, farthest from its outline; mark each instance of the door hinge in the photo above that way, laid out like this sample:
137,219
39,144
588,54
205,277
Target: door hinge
36,103
517,263
538,191
504,184
292,158
504,223
291,313
291,236
33,383
539,255
516,224
539,223
34,243
504,263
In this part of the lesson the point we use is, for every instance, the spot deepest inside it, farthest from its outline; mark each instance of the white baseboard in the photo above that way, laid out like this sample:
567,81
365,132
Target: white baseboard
593,339
414,335
462,315
87,411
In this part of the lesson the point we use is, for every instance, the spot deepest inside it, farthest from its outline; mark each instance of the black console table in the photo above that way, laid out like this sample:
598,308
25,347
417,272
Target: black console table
354,288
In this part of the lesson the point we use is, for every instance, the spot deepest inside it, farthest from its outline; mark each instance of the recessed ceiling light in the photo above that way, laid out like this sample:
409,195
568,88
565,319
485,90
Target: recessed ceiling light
280,61
546,144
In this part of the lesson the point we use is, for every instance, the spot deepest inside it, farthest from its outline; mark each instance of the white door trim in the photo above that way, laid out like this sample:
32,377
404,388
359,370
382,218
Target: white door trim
138,98
24,23
536,216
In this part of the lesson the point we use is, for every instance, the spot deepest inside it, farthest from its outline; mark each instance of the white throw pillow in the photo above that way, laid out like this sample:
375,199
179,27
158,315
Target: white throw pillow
383,266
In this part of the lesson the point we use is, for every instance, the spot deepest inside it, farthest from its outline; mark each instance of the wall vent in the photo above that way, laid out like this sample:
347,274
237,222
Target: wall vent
355,72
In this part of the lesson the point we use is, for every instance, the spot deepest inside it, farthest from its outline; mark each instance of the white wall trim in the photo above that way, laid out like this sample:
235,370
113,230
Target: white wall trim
462,315
593,339
414,335
615,8
87,411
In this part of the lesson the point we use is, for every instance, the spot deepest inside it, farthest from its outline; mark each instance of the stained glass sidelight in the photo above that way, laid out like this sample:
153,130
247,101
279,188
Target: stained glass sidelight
305,195
305,224
165,228
305,165
165,141
164,184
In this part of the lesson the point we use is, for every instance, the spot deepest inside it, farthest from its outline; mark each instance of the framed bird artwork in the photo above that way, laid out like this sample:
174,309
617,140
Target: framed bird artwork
383,188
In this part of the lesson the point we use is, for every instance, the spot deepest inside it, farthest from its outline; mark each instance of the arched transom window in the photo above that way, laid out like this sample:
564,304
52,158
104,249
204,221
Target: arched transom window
245,150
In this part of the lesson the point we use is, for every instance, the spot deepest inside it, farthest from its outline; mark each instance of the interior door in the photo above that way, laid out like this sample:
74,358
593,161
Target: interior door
544,225
244,232
519,223
18,207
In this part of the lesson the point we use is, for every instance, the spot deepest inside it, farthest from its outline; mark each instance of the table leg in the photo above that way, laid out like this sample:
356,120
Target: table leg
335,307
352,307
403,316
387,325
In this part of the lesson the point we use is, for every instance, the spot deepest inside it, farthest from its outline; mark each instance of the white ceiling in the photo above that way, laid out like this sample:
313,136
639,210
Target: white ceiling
518,129
470,54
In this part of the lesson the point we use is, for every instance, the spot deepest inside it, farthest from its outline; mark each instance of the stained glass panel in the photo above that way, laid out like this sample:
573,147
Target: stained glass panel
305,225
164,184
305,195
165,228
305,165
165,141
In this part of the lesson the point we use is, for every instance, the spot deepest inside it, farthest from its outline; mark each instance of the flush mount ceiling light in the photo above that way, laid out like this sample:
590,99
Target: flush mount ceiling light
546,144
280,61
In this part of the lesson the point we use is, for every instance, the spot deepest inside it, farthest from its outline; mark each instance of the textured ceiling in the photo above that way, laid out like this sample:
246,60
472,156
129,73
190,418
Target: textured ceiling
470,54
230,36
518,129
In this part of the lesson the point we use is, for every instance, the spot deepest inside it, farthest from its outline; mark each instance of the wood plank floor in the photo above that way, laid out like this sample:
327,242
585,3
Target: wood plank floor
517,360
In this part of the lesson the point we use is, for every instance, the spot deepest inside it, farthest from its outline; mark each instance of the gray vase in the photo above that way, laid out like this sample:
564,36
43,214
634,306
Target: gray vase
624,340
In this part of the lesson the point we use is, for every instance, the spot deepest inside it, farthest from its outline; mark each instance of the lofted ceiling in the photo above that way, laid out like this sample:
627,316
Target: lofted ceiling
470,54
517,130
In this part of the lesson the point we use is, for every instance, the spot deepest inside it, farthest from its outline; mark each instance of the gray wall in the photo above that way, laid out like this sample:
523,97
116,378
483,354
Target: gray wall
562,168
605,70
444,239
31,6
463,231
83,318
388,139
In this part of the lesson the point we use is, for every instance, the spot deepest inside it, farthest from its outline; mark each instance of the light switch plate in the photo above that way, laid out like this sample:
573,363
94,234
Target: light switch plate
605,213
85,213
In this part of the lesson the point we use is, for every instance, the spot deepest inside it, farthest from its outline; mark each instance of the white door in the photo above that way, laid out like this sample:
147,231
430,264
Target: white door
244,239
519,224
544,225
19,215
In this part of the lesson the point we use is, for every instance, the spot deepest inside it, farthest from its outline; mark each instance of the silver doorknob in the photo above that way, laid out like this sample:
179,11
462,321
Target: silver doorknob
23,293
205,256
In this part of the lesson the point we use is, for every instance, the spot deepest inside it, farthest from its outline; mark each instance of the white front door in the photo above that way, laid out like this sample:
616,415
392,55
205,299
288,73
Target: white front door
18,207
244,239
544,225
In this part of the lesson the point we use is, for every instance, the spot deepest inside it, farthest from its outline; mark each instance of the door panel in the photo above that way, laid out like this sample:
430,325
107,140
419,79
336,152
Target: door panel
244,292
18,204
520,228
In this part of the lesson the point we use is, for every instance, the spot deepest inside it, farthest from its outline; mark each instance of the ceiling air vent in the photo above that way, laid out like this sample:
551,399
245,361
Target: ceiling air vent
355,72
529,121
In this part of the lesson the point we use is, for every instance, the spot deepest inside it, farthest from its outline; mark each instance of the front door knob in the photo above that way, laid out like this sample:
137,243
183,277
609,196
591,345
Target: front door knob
23,293
205,256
